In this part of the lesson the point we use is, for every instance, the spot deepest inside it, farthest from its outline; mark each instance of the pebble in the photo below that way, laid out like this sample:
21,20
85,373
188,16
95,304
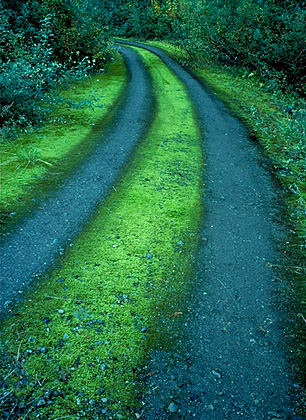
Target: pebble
104,400
61,280
149,256
216,374
181,243
103,366
31,339
41,402
66,336
144,329
172,408
61,311
194,397
46,320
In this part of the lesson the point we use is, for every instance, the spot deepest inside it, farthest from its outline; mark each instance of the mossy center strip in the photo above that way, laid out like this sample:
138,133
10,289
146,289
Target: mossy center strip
76,345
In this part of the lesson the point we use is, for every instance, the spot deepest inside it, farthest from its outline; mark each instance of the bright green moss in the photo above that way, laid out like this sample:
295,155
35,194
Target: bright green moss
125,276
35,161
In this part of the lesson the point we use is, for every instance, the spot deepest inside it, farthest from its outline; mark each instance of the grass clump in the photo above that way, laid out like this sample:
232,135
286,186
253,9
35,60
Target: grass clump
77,344
36,160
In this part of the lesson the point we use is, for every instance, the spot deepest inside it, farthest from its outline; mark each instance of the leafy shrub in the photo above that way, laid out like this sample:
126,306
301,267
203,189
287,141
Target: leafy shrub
267,36
43,43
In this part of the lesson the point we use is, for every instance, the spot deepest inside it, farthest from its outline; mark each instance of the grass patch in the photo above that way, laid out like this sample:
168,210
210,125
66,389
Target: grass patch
38,160
77,344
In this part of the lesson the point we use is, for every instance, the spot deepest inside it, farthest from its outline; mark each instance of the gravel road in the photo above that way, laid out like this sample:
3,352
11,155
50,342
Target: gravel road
36,243
229,361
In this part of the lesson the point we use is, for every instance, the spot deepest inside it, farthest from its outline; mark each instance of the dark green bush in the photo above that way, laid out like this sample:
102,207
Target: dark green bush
267,36
43,43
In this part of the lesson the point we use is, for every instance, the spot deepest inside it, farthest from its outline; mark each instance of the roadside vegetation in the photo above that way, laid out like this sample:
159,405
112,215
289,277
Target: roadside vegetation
59,81
78,343
266,37
37,160
44,45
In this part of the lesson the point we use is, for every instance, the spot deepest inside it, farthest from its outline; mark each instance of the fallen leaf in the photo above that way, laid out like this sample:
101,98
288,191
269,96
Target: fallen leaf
262,330
176,314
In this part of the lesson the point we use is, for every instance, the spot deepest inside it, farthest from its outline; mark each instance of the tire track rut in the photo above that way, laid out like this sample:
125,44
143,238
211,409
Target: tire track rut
33,247
230,361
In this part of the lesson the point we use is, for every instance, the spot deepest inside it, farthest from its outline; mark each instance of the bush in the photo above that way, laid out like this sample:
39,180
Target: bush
43,43
266,36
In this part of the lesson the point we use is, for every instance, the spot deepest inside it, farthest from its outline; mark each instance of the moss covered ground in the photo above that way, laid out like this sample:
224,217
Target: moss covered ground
77,344
34,162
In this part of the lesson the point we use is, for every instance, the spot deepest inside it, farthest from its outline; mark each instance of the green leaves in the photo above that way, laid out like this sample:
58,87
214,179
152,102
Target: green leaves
42,44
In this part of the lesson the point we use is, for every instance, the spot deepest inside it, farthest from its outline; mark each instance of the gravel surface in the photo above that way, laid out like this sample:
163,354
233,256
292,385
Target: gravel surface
229,361
36,243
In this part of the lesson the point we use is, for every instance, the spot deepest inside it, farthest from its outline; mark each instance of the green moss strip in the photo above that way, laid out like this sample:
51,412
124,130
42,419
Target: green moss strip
37,160
76,346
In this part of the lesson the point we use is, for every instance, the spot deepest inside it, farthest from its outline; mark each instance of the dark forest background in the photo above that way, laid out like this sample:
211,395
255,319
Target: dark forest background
46,43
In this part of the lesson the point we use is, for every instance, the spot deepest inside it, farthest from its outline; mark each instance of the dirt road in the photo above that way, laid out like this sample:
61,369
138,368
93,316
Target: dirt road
230,359
38,241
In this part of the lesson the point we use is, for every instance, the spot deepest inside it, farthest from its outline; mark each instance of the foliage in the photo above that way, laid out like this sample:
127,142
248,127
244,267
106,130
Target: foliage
265,36
140,18
64,141
268,37
43,43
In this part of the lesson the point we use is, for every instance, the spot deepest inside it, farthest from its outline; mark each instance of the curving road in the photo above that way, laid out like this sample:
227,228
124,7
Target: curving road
37,242
230,361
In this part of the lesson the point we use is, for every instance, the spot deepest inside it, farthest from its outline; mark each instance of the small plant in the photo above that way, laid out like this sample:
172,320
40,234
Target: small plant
25,158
